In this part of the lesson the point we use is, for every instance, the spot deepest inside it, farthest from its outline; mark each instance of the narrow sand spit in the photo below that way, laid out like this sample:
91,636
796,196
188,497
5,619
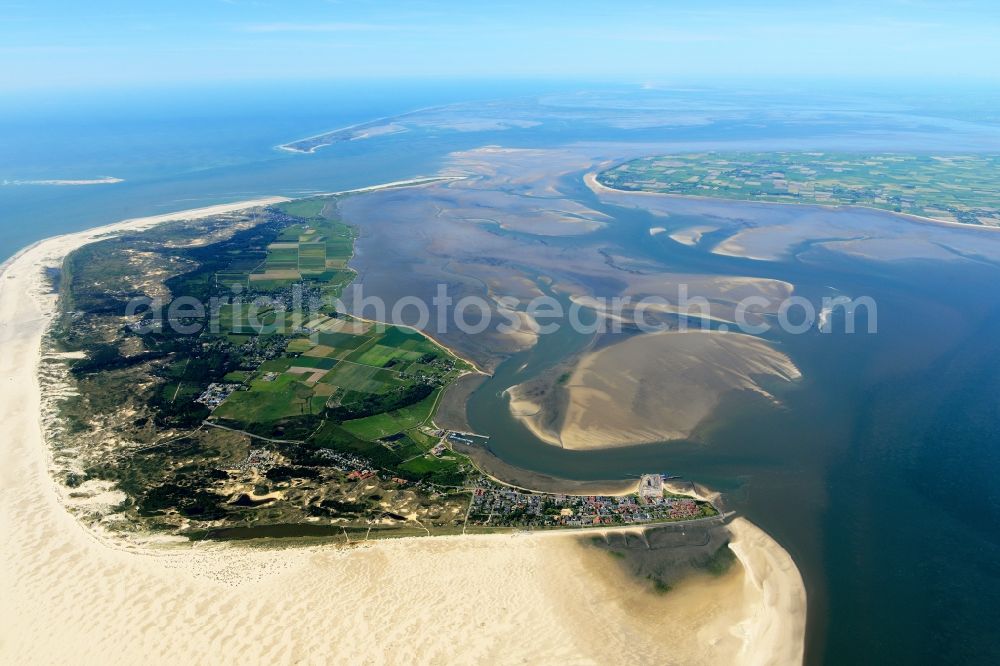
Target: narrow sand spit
68,595
704,619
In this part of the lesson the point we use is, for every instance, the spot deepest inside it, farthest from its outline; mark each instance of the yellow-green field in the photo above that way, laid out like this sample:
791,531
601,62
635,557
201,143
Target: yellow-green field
316,249
338,369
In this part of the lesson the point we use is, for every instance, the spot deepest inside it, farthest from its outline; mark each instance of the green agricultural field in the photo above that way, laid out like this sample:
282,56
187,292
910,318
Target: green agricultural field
428,464
231,280
282,257
252,319
291,234
953,188
275,365
406,447
312,256
342,340
299,345
315,250
318,362
380,355
304,208
363,371
390,423
266,401
404,338
355,377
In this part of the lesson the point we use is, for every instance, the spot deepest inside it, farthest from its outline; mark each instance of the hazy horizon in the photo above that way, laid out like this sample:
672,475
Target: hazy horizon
51,46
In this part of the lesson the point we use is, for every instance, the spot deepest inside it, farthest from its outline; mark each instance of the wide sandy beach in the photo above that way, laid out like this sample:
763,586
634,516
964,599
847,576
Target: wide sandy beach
72,596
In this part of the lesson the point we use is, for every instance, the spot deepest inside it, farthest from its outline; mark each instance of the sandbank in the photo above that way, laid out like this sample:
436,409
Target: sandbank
106,180
649,388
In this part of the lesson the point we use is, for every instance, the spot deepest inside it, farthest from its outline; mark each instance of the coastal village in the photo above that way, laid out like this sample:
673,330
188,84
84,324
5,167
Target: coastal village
496,505
493,504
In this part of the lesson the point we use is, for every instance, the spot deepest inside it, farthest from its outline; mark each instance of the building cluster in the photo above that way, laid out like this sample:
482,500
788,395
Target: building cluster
298,297
259,459
347,462
215,394
502,506
260,348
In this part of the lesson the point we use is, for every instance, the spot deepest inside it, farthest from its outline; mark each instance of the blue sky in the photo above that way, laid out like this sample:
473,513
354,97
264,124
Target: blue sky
52,45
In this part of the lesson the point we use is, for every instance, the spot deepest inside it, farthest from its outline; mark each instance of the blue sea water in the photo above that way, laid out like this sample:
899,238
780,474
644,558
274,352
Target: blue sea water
189,147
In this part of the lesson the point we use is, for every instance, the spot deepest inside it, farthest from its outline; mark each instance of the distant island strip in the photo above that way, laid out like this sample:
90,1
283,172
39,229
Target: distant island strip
949,188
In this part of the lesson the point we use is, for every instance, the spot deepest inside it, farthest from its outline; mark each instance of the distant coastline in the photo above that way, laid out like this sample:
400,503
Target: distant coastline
310,144
597,187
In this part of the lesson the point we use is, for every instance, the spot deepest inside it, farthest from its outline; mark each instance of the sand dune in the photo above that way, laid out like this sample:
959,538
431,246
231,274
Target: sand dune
70,595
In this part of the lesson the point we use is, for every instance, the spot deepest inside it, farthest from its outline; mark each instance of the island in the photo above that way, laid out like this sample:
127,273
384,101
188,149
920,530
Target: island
949,188
214,388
